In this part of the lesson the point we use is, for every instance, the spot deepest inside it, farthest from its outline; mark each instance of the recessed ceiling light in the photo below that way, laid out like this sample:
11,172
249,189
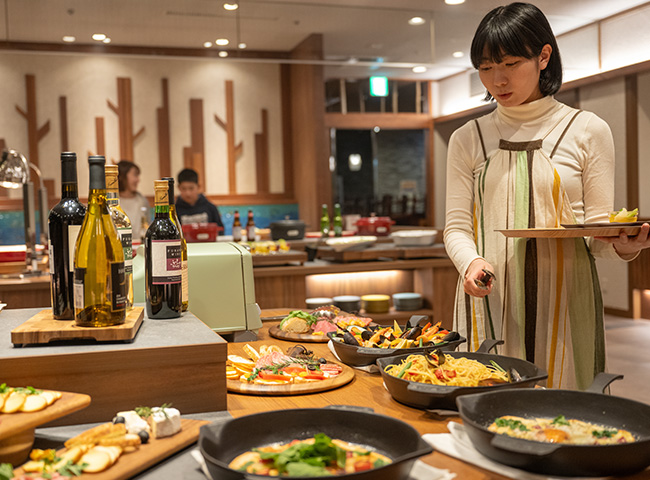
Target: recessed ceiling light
419,69
416,21
242,45
106,40
207,44
99,36
230,6
223,54
457,54
69,38
222,41
454,2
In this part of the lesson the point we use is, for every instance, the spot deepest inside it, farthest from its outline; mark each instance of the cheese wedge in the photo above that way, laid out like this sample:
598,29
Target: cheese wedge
164,422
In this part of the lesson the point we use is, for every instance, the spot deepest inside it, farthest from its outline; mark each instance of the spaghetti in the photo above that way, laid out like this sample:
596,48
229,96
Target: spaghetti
456,372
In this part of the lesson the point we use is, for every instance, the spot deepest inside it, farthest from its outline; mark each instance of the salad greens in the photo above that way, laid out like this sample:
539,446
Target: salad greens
309,318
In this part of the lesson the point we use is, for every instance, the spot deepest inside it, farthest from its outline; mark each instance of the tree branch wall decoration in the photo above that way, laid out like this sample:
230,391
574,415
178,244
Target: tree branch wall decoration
34,133
164,143
234,151
124,112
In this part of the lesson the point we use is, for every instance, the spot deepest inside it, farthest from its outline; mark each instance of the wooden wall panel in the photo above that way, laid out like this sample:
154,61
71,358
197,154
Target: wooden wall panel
164,142
262,155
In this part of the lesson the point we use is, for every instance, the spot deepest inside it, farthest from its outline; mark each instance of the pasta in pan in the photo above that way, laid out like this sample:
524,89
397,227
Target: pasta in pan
456,372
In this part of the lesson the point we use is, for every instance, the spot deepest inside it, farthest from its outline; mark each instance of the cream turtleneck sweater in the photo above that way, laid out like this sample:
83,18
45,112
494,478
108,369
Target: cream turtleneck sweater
584,160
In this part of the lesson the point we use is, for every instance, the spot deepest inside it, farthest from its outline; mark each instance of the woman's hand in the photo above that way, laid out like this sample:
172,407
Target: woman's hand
629,246
475,272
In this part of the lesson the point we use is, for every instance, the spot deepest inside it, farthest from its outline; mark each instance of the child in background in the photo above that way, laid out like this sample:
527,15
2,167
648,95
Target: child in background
191,204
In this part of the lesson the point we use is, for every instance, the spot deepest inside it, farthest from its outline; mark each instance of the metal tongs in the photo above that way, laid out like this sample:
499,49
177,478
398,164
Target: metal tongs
485,280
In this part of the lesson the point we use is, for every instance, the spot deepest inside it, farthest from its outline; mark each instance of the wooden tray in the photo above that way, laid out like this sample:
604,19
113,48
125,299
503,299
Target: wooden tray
341,379
12,423
427,251
374,252
280,258
44,328
276,332
129,464
587,231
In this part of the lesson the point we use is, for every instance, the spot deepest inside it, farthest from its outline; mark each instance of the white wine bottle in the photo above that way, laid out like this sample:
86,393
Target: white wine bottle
163,277
123,226
64,222
174,217
99,283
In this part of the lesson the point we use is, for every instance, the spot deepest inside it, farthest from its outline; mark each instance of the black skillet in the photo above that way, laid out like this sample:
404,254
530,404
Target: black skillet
479,411
358,356
427,396
220,443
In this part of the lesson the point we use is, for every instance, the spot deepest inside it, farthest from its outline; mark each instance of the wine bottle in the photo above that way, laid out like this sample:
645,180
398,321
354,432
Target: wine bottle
338,220
163,260
64,223
99,281
236,228
324,222
174,217
250,227
123,226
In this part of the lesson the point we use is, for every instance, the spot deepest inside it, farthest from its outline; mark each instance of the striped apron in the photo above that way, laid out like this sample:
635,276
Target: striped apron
546,301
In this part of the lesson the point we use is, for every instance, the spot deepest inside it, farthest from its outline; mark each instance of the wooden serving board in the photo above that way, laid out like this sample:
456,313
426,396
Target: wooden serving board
341,379
604,231
280,258
130,464
425,251
44,328
12,423
276,332
374,252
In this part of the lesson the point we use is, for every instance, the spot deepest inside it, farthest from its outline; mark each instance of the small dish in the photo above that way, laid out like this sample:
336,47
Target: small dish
348,303
316,302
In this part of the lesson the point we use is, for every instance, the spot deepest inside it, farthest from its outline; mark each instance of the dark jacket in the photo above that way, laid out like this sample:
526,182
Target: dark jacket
203,211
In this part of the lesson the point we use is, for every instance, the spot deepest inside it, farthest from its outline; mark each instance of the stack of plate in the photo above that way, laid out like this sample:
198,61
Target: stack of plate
316,302
407,301
348,303
376,303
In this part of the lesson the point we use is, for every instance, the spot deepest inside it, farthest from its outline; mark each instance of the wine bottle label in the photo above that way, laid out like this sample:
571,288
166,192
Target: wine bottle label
166,262
126,237
79,276
50,254
186,286
118,285
73,233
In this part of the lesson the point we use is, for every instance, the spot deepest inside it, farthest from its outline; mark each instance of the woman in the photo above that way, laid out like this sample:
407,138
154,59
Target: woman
533,162
134,204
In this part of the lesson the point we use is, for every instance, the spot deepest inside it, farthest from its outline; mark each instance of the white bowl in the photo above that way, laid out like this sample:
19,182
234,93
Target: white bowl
406,238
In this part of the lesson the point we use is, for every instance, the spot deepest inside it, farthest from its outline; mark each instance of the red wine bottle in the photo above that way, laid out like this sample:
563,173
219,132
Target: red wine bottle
64,223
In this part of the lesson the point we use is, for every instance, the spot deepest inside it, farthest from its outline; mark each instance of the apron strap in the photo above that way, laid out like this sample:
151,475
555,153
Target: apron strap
480,136
557,144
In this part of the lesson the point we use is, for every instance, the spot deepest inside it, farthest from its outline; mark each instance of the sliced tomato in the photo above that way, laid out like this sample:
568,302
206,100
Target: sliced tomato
362,465
272,376
294,370
314,376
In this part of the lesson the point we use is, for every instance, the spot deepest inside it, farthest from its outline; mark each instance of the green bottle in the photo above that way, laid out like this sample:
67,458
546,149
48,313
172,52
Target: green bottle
338,221
324,222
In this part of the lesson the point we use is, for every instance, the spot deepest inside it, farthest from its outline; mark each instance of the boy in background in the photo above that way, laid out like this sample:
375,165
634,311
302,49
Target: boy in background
191,204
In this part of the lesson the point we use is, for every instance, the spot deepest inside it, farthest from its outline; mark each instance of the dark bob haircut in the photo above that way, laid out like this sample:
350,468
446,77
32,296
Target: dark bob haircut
519,30
123,168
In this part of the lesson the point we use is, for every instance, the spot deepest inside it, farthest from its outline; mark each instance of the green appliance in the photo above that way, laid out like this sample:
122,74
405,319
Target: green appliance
221,287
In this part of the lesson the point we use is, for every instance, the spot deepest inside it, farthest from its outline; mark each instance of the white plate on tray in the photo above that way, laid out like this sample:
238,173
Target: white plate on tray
341,244
603,224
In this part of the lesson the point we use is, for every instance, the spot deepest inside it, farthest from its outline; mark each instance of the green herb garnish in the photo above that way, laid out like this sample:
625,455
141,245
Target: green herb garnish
71,469
146,412
560,420
604,433
497,366
511,423
276,367
6,470
304,459
310,319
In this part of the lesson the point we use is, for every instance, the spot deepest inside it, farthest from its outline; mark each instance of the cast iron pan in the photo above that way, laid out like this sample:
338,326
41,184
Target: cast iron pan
427,396
220,443
360,356
479,411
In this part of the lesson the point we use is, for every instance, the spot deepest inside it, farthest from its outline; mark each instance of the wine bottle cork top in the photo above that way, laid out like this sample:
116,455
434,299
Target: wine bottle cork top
160,185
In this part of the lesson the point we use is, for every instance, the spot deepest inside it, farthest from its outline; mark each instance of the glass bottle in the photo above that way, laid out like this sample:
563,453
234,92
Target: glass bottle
64,223
236,228
250,227
174,216
338,220
163,265
99,281
324,222
123,226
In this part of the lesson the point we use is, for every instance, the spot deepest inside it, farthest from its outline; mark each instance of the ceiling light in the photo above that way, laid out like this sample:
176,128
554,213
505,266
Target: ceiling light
416,21
223,54
106,40
419,69
222,41
454,2
242,45
457,54
69,38
99,36
230,6
207,44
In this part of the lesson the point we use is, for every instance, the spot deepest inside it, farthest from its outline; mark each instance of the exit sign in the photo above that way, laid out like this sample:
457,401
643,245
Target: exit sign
379,86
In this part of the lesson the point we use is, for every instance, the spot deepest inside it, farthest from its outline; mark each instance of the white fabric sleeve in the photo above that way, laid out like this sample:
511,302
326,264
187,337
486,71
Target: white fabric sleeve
464,146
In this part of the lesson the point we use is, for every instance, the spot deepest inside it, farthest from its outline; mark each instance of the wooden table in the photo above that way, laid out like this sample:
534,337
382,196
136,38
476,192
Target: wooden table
365,390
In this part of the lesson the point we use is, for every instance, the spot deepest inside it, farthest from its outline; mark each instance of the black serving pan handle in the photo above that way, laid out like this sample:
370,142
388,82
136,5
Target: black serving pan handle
489,344
514,445
601,382
415,320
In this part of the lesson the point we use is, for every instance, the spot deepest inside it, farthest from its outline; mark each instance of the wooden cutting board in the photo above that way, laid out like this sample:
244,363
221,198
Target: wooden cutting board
341,379
12,423
44,328
276,332
130,464
600,231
